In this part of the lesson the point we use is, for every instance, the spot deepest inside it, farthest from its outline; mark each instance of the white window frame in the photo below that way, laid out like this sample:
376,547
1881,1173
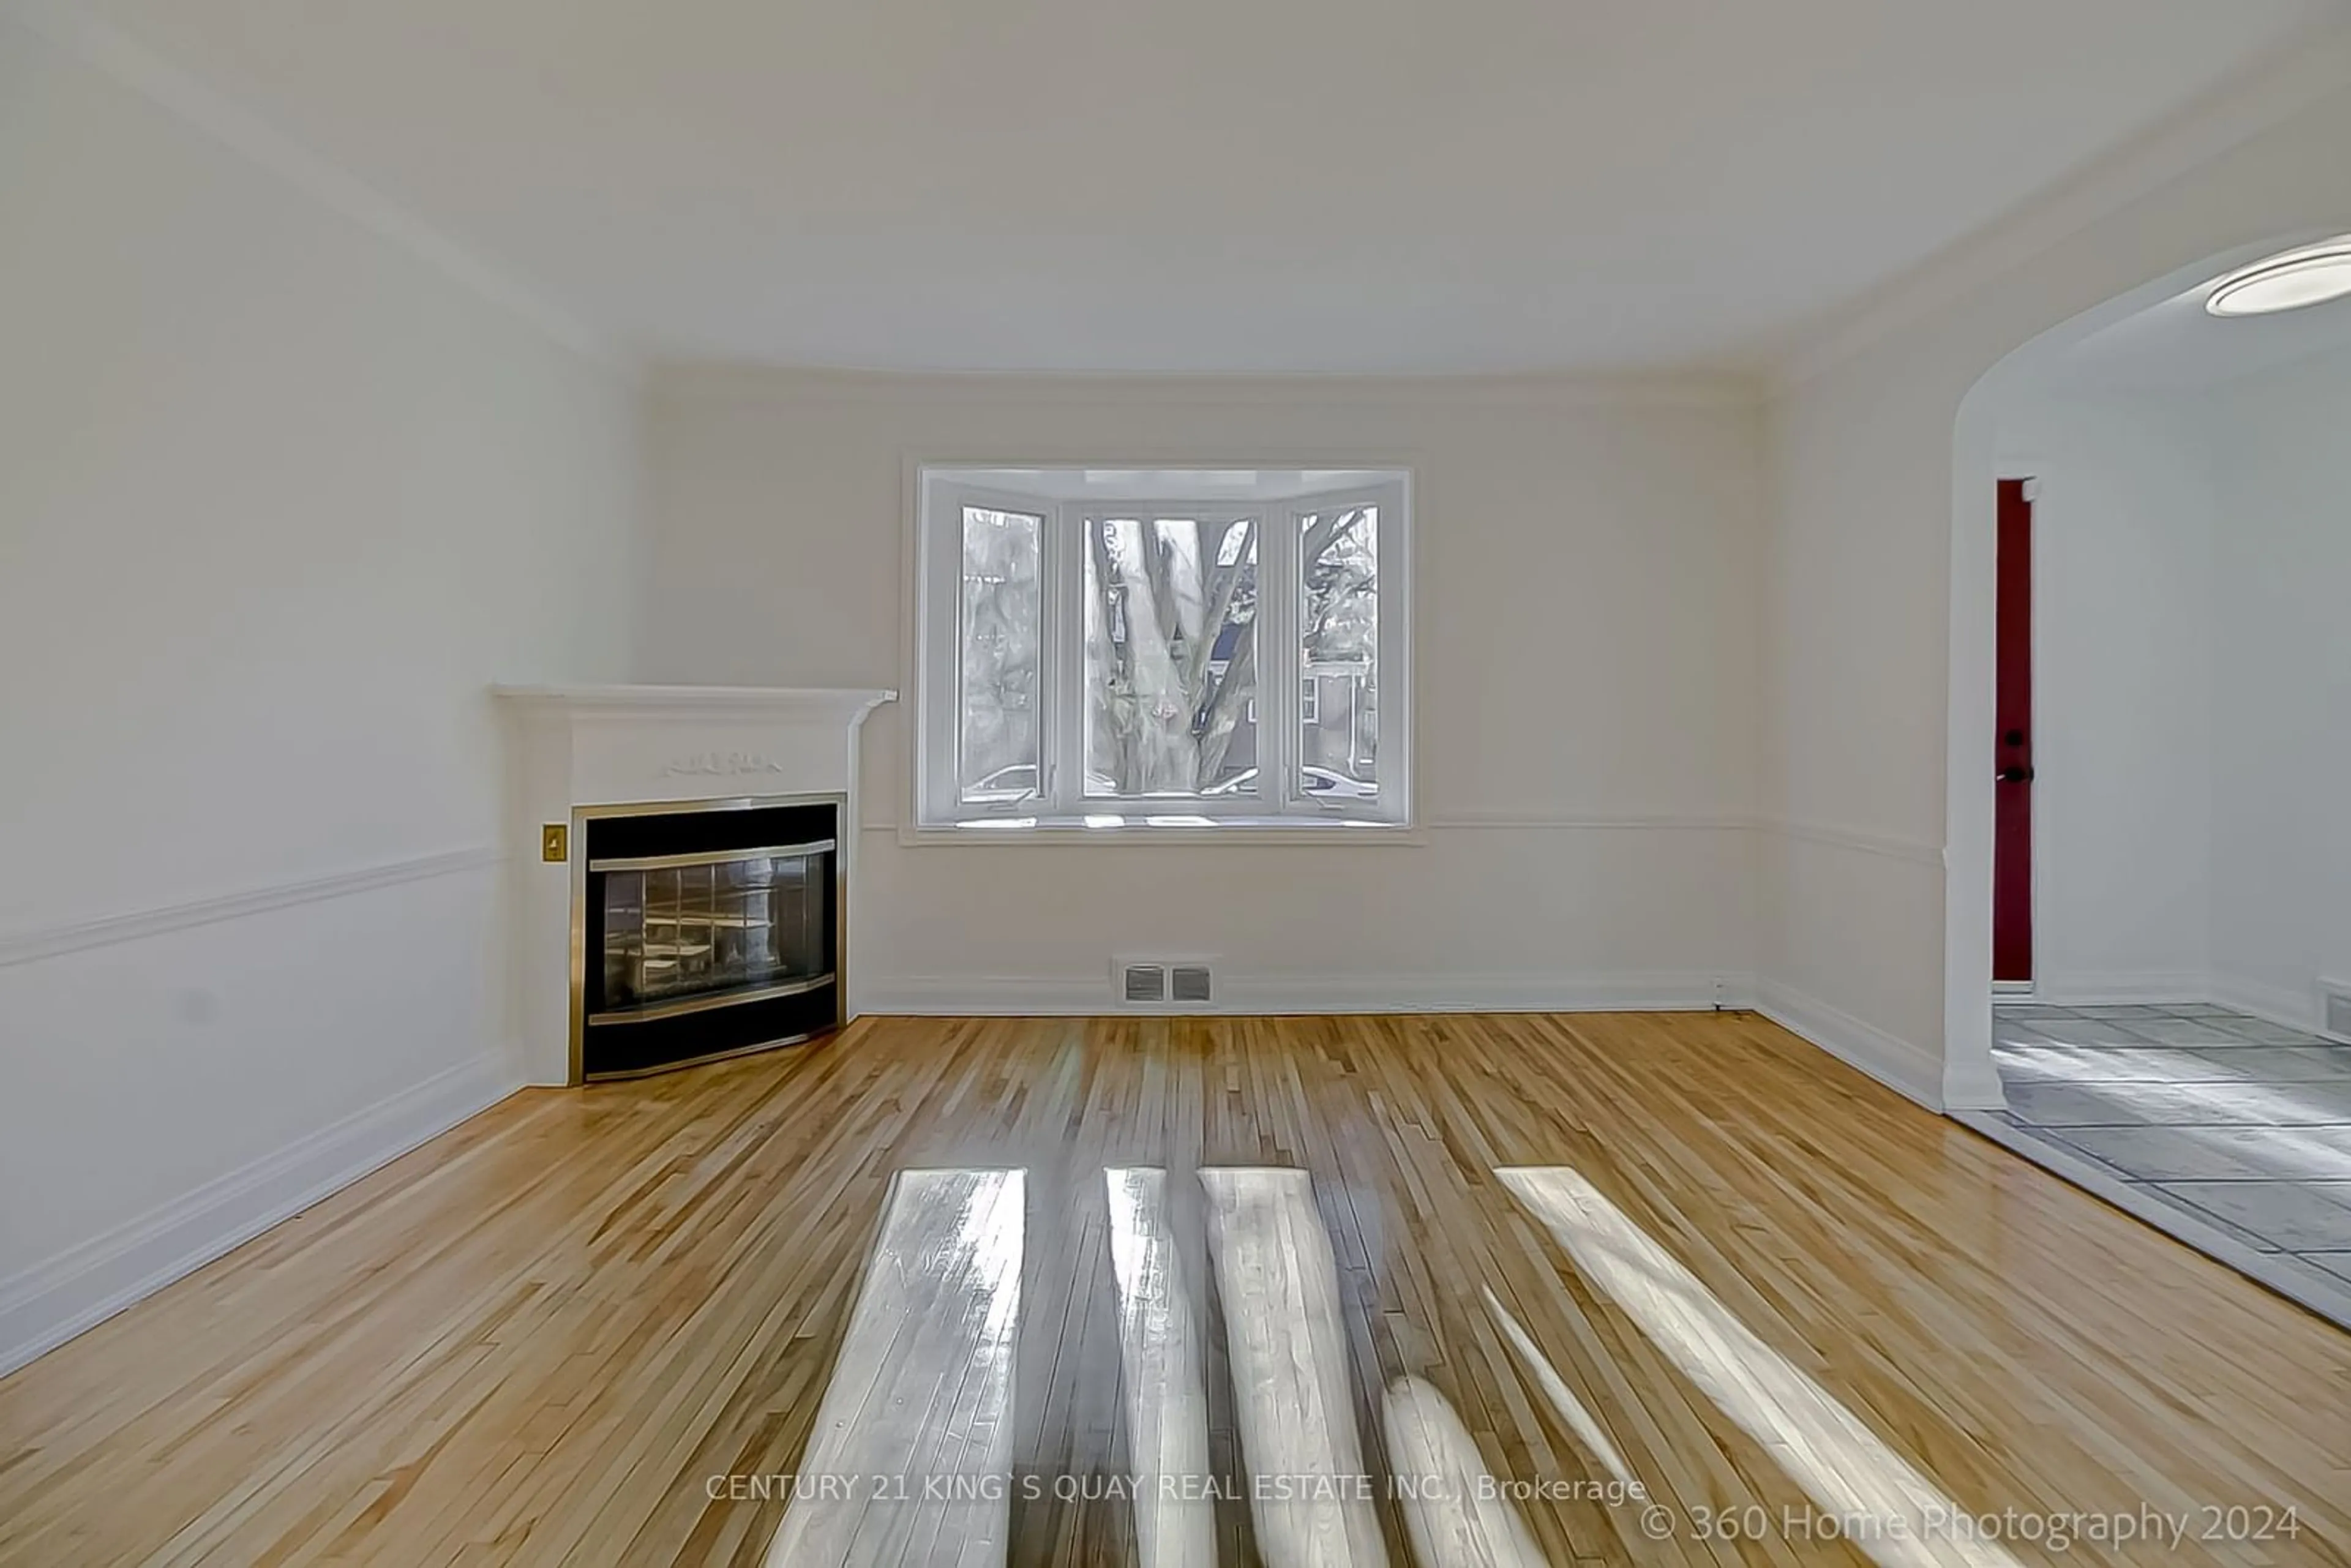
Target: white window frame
1061,809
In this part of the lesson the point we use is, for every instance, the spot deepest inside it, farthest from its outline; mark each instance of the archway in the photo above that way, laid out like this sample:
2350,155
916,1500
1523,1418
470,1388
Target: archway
1970,1082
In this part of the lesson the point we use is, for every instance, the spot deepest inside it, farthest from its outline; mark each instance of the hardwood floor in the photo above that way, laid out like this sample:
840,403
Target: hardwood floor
1689,1251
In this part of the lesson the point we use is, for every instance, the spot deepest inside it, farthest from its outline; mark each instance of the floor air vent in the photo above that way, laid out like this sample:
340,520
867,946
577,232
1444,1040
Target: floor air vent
1163,982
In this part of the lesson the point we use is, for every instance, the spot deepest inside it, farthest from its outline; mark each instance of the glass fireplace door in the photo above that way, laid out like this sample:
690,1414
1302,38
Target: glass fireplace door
720,936
705,931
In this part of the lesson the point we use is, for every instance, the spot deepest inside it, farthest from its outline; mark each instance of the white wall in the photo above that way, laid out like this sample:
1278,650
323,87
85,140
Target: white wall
2281,910
278,500
2122,689
1587,625
1877,702
2192,668
281,496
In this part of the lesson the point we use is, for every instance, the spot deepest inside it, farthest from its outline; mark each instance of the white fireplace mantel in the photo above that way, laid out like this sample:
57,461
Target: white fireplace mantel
848,702
575,747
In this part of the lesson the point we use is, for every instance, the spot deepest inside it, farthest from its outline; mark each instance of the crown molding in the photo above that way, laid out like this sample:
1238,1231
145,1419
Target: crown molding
696,381
2264,94
123,59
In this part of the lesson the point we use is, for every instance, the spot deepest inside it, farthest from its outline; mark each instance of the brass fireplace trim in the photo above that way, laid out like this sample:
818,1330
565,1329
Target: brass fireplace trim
752,1049
712,857
583,815
653,1012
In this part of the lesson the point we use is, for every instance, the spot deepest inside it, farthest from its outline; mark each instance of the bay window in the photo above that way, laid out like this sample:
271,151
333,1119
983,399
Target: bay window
1123,650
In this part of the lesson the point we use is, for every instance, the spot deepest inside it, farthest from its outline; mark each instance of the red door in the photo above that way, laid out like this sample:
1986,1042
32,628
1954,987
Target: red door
2011,854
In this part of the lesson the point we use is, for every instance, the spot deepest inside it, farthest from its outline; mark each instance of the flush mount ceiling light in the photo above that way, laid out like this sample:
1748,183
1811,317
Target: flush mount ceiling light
2311,275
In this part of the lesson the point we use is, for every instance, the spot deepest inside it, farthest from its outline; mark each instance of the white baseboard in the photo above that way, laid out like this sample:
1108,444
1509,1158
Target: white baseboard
1634,992
48,1303
2149,988
2275,1004
1908,1069
1973,1086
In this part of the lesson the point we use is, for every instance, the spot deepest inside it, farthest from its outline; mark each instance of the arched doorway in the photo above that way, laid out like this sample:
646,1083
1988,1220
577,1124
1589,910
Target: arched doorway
2173,1053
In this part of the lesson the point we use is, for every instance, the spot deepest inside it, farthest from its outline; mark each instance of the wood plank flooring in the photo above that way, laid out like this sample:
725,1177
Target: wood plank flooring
1689,1248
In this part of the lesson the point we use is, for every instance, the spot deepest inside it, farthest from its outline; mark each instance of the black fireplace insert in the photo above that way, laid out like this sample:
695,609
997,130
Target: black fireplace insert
707,932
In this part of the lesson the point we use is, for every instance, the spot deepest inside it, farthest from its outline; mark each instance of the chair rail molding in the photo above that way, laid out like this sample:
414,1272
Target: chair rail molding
1888,845
30,945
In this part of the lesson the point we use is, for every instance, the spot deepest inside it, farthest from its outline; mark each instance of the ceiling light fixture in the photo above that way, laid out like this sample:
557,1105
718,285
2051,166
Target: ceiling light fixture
2310,275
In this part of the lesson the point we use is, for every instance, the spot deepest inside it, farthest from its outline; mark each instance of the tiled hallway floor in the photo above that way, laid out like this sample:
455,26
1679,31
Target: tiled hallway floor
2231,1133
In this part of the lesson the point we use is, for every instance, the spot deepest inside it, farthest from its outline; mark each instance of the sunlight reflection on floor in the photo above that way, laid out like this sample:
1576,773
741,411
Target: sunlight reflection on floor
1842,1465
1159,1356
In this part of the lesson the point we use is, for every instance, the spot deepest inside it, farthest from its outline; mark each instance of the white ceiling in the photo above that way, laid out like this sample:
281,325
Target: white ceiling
2176,346
1211,185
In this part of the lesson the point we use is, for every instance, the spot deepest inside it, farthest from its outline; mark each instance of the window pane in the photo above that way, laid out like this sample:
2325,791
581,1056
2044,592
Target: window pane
999,734
1339,655
1171,656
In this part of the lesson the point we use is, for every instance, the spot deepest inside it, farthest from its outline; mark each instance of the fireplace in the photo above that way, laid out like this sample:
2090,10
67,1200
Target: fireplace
705,928
684,861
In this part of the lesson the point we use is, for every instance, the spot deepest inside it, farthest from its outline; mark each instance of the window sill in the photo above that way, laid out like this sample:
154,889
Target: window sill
1169,828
